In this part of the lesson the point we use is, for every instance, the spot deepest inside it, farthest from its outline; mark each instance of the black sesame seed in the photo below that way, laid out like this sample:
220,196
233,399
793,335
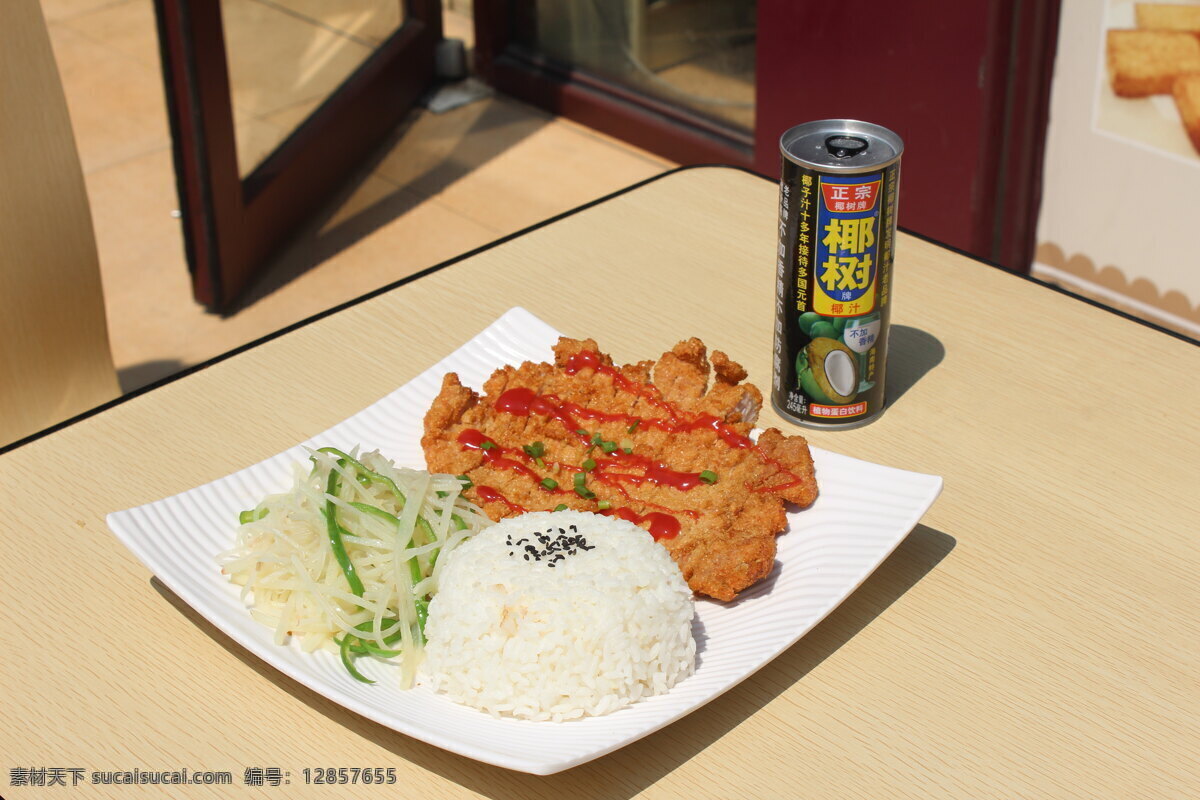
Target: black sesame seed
555,545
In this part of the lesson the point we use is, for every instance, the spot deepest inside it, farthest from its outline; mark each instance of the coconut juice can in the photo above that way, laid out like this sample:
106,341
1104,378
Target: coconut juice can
837,236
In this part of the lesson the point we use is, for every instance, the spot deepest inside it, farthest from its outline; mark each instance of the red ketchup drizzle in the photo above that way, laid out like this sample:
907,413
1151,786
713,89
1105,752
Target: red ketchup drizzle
779,487
586,359
523,401
496,456
662,526
489,495
653,472
615,481
726,433
473,439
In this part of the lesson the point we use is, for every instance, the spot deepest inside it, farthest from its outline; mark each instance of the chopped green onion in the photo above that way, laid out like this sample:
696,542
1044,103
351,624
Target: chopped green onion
535,450
581,486
549,483
486,445
561,507
603,505
627,445
466,482
597,438
581,431
608,447
637,421
708,476
541,464
251,515
589,465
627,450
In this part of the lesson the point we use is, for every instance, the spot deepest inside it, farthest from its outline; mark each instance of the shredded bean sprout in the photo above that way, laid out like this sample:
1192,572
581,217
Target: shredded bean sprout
349,558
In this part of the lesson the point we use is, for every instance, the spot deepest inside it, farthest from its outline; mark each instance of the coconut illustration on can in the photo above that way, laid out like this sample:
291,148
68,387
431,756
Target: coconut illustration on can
827,370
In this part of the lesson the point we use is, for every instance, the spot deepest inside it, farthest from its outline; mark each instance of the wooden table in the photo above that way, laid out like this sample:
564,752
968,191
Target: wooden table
1035,636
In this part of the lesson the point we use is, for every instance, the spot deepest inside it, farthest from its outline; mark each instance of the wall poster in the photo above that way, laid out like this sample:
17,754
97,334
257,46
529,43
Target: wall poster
1120,215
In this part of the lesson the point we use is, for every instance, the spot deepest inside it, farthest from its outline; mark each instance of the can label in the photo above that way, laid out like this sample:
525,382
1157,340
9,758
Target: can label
837,238
847,248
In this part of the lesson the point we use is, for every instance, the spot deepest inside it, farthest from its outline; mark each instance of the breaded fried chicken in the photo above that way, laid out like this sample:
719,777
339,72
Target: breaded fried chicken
663,444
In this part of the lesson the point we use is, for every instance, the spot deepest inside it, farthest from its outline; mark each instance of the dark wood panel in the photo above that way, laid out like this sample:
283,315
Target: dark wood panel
1035,39
191,40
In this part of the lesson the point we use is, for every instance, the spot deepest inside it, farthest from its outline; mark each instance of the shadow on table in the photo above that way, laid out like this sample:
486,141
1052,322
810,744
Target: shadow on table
136,376
911,353
632,769
421,167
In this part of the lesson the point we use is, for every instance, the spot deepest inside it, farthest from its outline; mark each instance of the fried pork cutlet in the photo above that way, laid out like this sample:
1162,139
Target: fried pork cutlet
655,443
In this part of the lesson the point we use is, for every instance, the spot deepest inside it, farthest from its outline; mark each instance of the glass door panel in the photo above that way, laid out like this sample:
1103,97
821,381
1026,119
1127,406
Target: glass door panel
286,57
698,54
272,104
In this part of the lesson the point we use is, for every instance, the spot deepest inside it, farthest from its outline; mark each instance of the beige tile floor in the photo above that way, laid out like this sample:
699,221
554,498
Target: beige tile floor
442,185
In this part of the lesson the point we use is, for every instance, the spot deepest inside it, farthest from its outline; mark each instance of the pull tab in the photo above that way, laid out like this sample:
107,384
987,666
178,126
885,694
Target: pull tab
841,146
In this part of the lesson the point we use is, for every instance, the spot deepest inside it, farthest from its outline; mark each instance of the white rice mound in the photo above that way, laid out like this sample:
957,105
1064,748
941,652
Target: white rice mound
610,623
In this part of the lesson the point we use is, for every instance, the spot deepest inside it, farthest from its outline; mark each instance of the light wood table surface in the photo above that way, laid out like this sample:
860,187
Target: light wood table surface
1035,636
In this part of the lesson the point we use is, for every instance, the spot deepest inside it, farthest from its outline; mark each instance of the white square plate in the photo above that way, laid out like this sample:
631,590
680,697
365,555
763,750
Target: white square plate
863,512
